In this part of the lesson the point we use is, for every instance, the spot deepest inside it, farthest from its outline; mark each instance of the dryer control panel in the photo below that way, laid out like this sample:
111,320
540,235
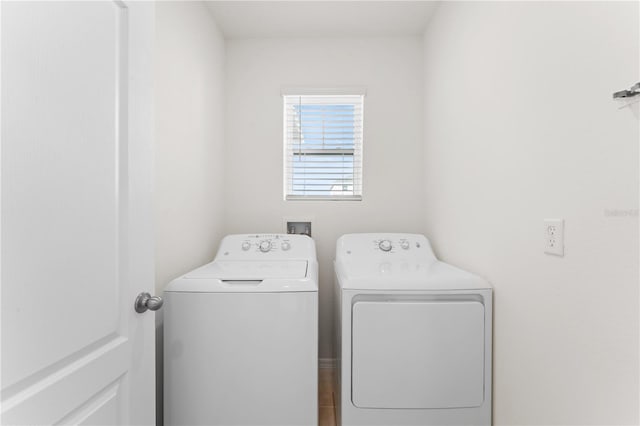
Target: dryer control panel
386,245
266,246
389,244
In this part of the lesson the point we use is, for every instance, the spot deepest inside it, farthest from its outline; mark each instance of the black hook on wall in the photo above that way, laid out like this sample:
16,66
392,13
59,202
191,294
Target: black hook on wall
633,91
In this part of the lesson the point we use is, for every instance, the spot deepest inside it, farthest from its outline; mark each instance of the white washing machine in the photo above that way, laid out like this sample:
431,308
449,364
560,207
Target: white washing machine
413,335
241,336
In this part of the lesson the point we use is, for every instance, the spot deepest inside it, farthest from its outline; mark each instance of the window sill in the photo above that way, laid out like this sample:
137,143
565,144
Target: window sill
323,198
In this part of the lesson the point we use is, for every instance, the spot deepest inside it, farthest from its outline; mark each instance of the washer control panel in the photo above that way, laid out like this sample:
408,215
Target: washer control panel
265,243
266,246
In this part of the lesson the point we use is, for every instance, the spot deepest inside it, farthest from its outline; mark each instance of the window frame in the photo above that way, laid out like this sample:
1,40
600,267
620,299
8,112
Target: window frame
356,153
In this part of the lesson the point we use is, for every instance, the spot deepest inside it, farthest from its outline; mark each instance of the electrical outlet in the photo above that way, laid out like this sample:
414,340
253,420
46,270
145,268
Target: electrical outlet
554,236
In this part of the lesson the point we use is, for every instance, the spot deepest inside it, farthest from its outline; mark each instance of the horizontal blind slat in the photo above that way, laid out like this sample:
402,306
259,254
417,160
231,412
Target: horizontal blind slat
321,165
318,169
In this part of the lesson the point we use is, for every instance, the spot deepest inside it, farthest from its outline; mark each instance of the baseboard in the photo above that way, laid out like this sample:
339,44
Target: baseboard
329,363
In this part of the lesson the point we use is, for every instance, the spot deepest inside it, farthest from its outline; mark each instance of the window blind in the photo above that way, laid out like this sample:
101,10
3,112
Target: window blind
323,147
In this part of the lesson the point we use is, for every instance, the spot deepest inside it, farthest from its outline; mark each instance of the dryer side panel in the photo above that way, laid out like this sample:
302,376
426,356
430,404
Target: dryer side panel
418,354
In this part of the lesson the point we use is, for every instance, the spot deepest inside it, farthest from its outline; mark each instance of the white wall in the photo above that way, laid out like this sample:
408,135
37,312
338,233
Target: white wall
520,126
189,159
189,162
391,69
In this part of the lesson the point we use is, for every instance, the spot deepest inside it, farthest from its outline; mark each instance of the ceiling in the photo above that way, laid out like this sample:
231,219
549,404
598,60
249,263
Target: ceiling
266,19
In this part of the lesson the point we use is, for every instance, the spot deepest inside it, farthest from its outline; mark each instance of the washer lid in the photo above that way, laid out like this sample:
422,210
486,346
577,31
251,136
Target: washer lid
232,276
240,270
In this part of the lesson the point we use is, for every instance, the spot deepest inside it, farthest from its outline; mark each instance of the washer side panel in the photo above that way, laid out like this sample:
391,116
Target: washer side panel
241,358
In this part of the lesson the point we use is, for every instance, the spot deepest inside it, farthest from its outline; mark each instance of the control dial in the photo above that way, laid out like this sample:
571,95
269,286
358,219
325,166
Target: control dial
246,245
385,245
285,245
405,245
265,246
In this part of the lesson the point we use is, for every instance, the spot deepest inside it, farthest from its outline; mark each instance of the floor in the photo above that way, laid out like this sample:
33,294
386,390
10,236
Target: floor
326,397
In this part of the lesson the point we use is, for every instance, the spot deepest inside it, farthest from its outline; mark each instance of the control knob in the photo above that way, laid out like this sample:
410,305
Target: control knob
265,246
405,245
285,245
246,245
385,245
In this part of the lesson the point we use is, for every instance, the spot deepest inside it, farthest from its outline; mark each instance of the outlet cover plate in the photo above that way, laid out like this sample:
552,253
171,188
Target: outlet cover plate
554,236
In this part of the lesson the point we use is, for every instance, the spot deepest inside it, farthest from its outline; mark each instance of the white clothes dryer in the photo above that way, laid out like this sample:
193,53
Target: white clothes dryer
413,335
241,336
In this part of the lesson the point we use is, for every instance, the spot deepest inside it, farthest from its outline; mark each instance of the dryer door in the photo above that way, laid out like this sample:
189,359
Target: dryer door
418,353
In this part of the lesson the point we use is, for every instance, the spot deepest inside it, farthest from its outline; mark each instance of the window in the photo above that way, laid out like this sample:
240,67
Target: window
323,147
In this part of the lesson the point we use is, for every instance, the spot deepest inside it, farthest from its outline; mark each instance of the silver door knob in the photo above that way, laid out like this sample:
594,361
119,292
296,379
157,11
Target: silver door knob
145,301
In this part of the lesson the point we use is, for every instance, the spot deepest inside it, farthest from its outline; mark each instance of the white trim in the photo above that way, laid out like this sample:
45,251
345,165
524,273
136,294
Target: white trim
327,363
323,198
318,91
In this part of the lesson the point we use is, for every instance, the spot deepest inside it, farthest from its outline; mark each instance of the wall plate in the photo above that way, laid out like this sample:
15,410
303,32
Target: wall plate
301,225
554,236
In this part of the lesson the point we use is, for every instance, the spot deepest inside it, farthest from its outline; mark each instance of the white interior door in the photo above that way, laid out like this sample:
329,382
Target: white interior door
76,213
